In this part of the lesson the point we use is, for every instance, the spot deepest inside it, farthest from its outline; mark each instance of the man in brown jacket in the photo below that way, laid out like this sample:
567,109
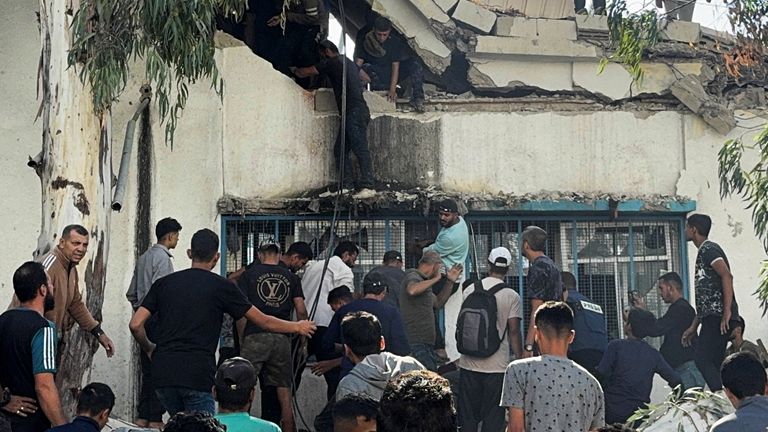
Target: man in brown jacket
61,266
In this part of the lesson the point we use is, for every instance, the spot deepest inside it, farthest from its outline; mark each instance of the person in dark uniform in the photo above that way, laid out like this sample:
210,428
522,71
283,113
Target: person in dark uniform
591,337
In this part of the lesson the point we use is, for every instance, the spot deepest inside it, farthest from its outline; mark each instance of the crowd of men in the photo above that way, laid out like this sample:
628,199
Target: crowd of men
378,347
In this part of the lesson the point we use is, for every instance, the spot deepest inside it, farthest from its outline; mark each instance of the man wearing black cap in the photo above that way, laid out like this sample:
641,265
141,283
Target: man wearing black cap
452,243
391,270
234,390
151,266
374,291
275,291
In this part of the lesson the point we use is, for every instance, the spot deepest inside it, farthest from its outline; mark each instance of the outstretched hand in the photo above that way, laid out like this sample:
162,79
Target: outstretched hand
107,343
306,328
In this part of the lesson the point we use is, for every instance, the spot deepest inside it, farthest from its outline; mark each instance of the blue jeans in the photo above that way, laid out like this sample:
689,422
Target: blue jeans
690,375
178,399
425,354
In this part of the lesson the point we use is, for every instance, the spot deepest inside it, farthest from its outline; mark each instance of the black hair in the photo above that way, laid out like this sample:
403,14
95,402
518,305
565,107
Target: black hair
27,279
74,227
95,398
301,249
346,246
326,44
493,268
166,226
339,294
569,280
641,321
673,279
536,238
205,244
555,318
701,222
382,24
738,322
361,332
374,284
194,422
417,401
232,400
743,375
355,405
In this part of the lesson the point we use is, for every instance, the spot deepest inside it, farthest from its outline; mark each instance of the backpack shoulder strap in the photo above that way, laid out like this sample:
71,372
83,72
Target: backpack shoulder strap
498,287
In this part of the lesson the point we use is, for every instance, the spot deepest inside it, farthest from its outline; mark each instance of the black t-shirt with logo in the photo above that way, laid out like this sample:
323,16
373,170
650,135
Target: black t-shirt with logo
189,306
271,288
708,284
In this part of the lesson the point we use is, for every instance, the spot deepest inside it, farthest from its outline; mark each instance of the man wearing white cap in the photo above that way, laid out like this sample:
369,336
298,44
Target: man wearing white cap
483,364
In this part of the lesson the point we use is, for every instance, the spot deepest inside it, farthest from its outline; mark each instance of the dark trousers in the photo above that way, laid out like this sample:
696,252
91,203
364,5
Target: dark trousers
588,359
297,47
479,396
333,376
410,73
356,142
150,408
596,5
710,351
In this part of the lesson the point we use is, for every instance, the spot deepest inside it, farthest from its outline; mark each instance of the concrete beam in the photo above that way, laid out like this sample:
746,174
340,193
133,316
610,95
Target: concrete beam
614,83
553,9
504,74
692,94
592,23
682,31
659,77
446,5
563,49
478,18
531,28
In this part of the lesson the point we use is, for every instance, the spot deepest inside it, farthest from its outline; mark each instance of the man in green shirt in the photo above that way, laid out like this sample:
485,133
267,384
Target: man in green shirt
234,390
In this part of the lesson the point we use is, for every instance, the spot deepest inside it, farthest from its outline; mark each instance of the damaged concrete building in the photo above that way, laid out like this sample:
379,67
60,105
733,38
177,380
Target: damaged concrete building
520,127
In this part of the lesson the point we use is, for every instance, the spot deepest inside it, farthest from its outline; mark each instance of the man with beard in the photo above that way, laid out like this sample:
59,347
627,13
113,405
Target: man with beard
61,266
28,354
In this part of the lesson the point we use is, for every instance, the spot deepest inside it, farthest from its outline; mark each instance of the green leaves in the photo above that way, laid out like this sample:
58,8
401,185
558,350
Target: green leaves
631,34
174,38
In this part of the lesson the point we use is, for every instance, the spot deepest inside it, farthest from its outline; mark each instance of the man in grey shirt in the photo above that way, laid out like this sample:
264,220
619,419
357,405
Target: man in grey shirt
744,380
391,269
551,392
152,265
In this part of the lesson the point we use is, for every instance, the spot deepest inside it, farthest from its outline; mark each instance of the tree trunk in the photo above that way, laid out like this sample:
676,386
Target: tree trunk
75,176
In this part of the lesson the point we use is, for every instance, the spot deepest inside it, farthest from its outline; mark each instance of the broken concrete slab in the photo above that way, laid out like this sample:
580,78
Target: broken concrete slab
413,19
614,83
554,9
592,23
446,5
533,28
564,49
478,18
378,103
325,101
682,31
658,77
691,93
495,74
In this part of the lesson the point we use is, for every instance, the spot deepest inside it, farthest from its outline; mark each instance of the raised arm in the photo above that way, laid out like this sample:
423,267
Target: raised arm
276,325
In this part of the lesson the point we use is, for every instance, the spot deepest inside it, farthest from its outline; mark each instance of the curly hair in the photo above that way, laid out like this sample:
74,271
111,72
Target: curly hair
194,422
417,401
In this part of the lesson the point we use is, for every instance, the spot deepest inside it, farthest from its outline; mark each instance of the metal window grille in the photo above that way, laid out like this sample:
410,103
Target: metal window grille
610,259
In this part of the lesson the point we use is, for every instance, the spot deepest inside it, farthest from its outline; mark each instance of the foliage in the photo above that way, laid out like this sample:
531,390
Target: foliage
752,185
749,19
688,411
631,35
173,38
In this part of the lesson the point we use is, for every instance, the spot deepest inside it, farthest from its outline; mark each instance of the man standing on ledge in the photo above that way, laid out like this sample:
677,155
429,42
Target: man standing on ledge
715,301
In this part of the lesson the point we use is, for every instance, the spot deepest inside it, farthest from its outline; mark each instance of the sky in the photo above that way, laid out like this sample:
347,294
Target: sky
709,14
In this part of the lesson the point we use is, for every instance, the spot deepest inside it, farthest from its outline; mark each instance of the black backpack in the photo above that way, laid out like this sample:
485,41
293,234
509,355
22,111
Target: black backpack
476,332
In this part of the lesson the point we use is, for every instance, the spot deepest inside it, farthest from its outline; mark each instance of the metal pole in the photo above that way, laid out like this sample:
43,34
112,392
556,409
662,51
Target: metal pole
125,161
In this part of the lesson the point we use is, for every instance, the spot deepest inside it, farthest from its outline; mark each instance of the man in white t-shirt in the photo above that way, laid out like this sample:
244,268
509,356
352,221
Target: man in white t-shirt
482,378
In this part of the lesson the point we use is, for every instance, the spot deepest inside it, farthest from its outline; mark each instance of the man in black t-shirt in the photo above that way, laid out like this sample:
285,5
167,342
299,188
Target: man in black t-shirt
28,354
276,292
715,300
384,62
190,305
675,321
544,282
357,118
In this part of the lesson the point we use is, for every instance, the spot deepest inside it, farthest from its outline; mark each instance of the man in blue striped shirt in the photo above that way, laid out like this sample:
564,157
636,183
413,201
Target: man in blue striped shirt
28,354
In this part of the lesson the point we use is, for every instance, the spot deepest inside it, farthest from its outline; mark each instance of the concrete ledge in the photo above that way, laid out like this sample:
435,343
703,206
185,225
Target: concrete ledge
614,83
478,18
592,23
531,28
554,9
682,31
565,49
494,74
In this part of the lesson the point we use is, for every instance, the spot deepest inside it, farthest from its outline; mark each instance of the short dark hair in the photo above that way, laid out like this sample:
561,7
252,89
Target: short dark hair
382,24
194,422
166,226
701,222
673,279
95,398
300,248
205,244
641,321
339,294
232,400
361,332
493,268
326,44
536,238
569,280
555,318
74,227
354,405
743,375
346,246
738,322
417,401
374,283
27,279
